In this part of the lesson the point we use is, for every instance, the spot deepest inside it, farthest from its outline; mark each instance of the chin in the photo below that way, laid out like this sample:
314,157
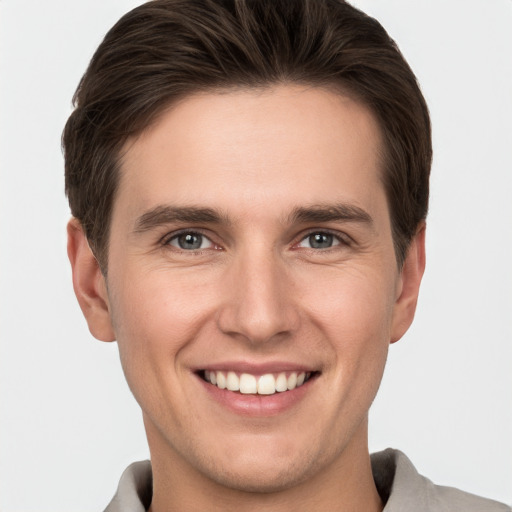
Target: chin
264,468
261,478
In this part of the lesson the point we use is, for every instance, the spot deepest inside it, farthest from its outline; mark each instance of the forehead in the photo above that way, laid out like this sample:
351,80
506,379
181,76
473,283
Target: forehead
246,149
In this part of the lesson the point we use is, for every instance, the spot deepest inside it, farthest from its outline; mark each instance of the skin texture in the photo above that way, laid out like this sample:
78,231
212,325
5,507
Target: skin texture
255,293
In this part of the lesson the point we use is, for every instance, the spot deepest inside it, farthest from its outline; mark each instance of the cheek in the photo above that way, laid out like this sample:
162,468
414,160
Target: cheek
354,314
159,310
355,307
156,318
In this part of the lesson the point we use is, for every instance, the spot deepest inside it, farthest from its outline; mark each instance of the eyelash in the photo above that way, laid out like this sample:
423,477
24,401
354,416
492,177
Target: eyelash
342,239
167,239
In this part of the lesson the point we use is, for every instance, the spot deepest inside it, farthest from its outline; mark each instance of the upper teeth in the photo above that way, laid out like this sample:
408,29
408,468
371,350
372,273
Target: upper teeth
246,383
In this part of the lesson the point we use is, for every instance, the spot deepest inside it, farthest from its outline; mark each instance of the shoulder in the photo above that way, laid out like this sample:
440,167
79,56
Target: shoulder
404,489
134,490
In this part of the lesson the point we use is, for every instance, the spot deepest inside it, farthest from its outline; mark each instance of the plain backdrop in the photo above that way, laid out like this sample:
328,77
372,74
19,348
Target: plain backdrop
69,425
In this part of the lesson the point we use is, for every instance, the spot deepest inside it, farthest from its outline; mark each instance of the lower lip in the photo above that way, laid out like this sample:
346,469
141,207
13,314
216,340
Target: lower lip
257,405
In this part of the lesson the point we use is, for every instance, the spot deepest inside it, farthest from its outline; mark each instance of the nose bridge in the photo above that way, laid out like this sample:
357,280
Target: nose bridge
258,299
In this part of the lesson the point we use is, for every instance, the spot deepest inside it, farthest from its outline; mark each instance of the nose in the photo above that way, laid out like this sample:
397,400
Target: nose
259,304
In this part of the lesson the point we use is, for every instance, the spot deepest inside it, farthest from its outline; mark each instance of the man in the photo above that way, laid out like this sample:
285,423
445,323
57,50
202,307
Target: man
249,186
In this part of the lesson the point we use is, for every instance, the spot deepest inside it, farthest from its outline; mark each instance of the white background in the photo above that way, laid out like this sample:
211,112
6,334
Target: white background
69,425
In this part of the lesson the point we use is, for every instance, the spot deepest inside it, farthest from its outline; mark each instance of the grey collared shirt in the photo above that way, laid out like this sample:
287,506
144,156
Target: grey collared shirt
398,483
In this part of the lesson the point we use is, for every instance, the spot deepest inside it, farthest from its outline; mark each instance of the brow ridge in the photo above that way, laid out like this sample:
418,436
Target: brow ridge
166,214
330,213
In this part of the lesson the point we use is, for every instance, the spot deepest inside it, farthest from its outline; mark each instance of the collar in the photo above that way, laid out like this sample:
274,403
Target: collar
400,486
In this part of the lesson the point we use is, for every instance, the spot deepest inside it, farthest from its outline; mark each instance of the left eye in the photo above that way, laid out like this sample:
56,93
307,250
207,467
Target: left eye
319,240
191,241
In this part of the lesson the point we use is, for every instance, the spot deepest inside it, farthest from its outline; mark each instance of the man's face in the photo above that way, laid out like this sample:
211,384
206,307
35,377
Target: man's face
250,236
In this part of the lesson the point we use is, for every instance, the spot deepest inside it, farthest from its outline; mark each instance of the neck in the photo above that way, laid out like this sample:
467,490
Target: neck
345,485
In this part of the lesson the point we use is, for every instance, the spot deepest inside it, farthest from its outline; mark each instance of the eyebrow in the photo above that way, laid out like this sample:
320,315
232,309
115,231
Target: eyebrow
166,214
331,213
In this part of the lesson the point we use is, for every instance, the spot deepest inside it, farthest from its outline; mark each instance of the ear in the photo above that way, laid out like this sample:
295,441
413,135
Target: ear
89,284
408,287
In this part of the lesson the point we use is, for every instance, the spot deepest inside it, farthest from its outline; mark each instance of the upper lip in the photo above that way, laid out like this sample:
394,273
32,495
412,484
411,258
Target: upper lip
258,368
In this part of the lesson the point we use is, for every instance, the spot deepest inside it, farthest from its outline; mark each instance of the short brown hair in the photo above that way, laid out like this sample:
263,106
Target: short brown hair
166,49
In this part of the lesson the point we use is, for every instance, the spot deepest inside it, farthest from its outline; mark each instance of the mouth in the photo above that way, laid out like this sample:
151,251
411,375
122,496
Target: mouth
250,384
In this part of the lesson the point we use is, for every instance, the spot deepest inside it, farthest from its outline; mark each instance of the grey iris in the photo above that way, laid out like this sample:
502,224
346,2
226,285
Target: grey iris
321,240
190,241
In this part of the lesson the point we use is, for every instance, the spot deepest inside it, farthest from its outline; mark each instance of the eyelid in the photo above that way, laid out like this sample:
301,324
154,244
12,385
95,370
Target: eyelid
166,239
342,237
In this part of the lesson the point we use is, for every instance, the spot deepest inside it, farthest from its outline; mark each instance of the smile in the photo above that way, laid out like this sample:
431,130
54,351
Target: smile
248,384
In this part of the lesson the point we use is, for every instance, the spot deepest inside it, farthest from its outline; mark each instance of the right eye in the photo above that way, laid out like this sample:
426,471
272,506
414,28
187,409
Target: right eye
191,241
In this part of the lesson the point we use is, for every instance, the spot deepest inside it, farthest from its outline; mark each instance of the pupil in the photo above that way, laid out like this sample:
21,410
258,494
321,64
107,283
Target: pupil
190,241
320,240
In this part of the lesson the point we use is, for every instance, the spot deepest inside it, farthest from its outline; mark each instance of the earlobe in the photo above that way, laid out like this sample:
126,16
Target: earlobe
89,283
410,280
